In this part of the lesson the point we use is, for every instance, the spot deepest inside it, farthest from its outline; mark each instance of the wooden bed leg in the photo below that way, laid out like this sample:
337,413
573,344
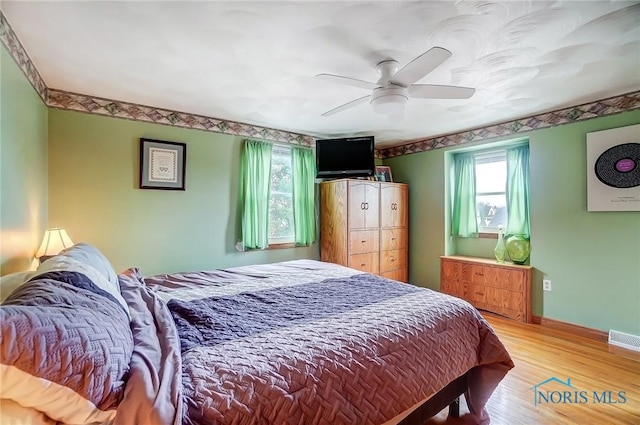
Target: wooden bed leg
454,408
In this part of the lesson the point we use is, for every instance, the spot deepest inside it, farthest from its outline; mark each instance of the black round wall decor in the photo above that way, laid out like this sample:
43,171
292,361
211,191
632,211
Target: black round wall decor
619,166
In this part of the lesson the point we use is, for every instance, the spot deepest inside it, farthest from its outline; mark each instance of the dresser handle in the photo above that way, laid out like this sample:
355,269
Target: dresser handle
393,239
393,259
363,264
363,241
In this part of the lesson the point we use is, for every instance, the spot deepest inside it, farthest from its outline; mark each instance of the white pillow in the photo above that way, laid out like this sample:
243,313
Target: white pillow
66,263
10,282
12,413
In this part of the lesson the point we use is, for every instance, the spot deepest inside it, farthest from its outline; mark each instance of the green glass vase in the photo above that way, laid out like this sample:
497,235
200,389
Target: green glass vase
500,250
518,248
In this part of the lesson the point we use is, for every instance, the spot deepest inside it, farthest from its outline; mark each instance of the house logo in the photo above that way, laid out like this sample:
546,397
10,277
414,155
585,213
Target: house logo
556,391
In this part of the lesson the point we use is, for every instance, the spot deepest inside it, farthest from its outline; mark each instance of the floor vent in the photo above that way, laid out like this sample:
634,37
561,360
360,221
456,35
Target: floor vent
621,339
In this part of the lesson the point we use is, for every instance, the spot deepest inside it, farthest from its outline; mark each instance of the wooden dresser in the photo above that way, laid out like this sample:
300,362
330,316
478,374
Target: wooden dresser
503,289
364,225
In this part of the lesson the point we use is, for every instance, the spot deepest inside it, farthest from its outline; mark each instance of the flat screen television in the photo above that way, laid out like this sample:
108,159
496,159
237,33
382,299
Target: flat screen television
346,157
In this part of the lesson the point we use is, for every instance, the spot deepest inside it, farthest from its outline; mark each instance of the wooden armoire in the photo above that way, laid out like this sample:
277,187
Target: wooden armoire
364,225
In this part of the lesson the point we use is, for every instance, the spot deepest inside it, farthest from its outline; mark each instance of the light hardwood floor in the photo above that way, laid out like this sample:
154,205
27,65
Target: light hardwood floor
540,353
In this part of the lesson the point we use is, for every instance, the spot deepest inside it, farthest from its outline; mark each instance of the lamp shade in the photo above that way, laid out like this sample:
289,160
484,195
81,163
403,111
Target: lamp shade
54,241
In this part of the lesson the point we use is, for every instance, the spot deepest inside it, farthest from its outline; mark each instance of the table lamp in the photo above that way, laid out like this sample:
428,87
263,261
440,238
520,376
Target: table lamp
54,241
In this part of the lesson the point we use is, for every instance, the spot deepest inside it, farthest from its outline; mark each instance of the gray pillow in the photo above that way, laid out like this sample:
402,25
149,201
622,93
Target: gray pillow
65,347
92,256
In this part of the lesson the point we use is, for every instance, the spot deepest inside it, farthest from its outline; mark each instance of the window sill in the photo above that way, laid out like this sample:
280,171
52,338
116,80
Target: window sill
488,235
281,245
275,246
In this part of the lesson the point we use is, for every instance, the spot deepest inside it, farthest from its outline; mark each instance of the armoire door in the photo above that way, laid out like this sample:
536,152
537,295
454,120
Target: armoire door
363,205
393,205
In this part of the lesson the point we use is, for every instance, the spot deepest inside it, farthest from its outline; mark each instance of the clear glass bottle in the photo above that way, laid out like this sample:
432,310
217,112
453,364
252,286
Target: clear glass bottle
500,250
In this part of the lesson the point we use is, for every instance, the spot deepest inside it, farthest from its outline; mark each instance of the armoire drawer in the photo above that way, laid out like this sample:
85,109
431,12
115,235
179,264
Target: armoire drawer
399,274
364,241
393,259
367,262
393,239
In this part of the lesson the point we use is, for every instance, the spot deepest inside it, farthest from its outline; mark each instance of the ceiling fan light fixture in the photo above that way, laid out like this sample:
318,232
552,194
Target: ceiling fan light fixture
389,100
389,95
389,105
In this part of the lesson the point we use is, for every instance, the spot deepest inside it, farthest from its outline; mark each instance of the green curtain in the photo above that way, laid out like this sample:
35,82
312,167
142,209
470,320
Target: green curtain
256,175
464,221
304,173
518,190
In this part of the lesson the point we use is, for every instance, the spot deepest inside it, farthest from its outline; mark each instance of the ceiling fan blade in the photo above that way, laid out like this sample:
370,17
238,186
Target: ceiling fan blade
431,91
420,66
347,105
348,81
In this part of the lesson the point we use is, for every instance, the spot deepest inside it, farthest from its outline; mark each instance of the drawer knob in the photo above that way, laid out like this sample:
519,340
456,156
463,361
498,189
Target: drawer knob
393,239
363,241
393,259
363,264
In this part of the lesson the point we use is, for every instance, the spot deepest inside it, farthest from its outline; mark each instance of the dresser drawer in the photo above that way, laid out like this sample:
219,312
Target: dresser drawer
392,260
495,277
514,280
367,262
503,278
393,239
454,287
451,270
474,273
363,241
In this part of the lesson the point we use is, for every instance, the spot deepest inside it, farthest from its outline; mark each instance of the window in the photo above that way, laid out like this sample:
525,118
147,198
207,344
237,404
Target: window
491,185
491,188
277,195
281,225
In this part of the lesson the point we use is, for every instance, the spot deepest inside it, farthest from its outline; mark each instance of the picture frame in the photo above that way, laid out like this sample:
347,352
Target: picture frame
383,173
163,164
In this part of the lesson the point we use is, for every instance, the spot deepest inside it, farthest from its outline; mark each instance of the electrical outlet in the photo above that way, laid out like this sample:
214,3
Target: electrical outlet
546,285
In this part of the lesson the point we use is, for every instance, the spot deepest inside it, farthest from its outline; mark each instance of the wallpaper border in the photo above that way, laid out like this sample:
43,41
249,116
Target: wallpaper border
61,99
21,57
586,111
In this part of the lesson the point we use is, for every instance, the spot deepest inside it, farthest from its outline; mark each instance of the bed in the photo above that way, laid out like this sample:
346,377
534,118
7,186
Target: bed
297,342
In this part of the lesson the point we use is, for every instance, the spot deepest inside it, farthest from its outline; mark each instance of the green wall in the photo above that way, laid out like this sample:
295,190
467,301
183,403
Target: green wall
592,258
93,180
79,171
23,167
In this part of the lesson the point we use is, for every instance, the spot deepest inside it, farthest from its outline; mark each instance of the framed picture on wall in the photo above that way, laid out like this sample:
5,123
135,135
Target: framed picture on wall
162,164
383,173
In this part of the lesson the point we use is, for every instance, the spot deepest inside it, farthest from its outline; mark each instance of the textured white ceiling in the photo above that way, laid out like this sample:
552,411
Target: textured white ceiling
255,62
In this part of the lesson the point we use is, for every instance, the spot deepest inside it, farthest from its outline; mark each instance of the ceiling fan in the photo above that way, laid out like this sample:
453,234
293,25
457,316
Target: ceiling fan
390,93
